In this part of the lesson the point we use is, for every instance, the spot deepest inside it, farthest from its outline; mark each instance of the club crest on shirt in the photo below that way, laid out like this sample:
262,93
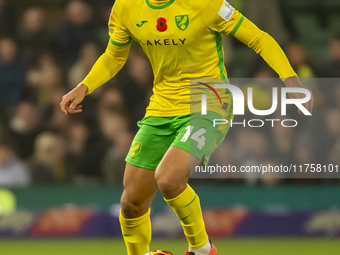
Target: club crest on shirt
182,21
135,149
226,10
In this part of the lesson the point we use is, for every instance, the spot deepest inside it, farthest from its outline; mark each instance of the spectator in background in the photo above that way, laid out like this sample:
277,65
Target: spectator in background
332,68
304,152
115,129
283,142
299,59
33,35
1,127
253,150
52,77
333,157
262,87
114,123
271,22
77,31
24,127
332,122
46,81
45,75
12,73
7,19
88,56
49,165
332,119
328,89
225,155
13,172
271,178
111,100
85,152
51,118
337,95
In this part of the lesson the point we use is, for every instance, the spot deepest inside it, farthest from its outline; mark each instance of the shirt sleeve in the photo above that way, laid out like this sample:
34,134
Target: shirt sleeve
265,45
222,17
115,55
119,35
106,67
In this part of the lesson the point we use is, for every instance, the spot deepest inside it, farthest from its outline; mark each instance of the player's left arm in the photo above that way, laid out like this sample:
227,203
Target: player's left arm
265,45
220,16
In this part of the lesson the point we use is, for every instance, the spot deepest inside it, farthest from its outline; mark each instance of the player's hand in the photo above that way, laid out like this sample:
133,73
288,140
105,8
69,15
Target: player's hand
294,82
71,101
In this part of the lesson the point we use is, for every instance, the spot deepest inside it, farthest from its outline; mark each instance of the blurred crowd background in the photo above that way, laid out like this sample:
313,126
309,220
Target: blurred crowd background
48,47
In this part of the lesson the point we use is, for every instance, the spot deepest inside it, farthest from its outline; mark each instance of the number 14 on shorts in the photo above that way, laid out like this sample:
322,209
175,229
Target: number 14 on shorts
197,136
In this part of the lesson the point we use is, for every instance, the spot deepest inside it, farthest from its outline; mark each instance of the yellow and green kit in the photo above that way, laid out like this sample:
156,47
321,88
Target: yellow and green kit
183,42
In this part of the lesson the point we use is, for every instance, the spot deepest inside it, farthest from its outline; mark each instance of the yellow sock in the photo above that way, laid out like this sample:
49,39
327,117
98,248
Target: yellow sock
188,209
136,233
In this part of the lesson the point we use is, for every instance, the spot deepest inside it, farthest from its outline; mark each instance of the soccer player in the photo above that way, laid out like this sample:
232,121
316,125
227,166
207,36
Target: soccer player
182,39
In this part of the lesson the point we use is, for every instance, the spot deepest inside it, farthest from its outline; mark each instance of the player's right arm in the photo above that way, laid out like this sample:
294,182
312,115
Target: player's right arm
107,65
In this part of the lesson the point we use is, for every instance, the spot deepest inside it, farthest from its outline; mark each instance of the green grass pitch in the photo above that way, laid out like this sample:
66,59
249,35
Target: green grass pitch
225,247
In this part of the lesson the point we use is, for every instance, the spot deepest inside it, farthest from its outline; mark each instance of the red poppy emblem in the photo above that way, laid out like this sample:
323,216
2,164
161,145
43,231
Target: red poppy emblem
161,25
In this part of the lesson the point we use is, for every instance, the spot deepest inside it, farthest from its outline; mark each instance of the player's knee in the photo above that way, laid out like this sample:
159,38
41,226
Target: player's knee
131,209
168,187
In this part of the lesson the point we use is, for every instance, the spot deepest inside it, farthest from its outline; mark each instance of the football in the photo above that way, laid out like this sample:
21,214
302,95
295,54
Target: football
159,252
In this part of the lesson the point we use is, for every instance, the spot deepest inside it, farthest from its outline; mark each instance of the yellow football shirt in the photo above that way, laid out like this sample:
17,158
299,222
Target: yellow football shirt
182,39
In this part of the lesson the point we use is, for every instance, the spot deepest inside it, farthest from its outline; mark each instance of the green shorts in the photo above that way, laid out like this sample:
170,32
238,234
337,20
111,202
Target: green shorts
193,133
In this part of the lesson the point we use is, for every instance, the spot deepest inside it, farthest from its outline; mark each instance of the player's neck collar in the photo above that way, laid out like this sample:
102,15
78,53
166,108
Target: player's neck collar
159,4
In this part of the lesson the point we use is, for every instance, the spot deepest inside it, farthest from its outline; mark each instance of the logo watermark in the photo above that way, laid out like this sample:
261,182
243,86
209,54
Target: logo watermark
275,136
239,100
